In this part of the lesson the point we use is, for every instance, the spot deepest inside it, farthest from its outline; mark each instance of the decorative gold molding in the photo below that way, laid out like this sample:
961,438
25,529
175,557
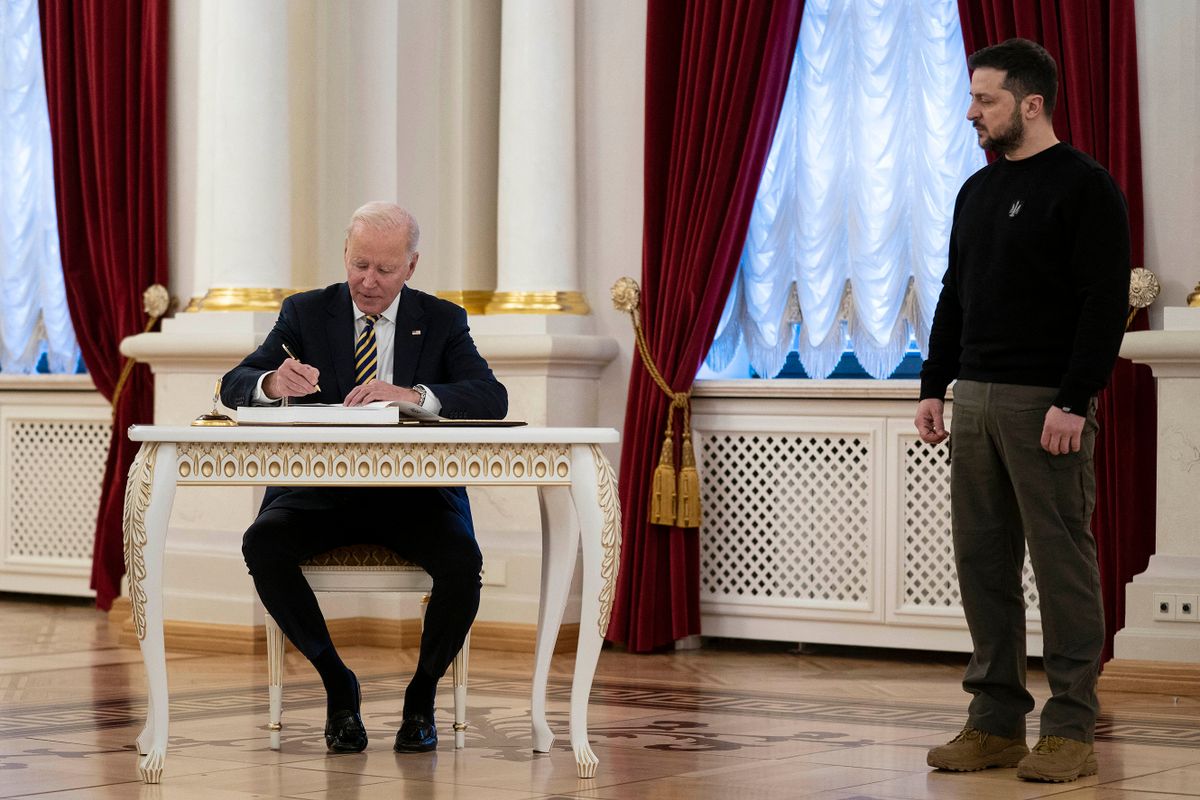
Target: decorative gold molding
1193,298
240,298
475,301
133,524
308,464
538,303
610,536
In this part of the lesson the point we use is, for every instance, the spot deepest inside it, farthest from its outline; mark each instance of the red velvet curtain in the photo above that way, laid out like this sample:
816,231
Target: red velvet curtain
1095,46
106,70
716,74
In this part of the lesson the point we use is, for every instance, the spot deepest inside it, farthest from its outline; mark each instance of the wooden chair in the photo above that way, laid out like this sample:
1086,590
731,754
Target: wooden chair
362,568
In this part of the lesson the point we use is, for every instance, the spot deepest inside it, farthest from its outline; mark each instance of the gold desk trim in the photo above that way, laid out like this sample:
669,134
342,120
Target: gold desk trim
538,303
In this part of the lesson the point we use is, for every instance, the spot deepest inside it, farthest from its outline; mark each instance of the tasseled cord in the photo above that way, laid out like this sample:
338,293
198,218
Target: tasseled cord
687,509
662,488
674,495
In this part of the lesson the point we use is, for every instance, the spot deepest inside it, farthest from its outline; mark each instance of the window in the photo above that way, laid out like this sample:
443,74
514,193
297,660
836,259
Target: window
35,326
847,242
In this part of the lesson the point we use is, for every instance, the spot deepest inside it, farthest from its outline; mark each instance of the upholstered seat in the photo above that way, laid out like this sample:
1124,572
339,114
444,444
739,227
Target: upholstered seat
362,568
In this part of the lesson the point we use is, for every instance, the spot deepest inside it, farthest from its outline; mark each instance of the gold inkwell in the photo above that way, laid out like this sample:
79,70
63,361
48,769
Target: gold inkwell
214,418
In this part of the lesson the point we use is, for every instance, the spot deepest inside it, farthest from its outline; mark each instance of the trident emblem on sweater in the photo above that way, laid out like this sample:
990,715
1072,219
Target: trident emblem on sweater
1016,209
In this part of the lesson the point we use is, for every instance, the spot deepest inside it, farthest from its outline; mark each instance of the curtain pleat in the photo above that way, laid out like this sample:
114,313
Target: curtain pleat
715,78
33,300
853,212
106,69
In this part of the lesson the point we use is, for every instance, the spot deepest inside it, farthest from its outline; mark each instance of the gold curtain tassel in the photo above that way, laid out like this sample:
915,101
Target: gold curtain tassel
688,505
662,488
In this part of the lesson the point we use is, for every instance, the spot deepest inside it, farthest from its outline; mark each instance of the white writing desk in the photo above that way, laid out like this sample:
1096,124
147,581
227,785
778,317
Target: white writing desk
575,484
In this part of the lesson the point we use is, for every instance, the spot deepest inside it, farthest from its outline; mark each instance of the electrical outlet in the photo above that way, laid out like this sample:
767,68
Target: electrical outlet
1185,608
1164,607
494,572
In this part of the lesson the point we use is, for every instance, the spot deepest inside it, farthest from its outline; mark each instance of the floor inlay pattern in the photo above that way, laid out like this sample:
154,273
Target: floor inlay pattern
727,720
63,717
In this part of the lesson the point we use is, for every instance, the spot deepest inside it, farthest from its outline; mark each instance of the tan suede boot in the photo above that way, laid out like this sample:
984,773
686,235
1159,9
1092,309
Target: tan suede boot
1058,760
973,750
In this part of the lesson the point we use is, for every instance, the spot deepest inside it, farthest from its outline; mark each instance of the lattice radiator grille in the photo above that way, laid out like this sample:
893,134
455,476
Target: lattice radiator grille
928,578
55,471
787,518
789,521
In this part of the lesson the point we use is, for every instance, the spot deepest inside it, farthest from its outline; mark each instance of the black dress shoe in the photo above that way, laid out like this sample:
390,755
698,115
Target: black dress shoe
344,730
417,734
345,733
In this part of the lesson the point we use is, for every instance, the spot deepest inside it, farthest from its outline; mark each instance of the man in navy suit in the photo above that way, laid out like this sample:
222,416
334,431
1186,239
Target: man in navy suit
370,338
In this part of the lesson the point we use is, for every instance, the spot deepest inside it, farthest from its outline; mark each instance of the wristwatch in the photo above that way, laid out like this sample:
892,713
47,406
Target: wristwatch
421,392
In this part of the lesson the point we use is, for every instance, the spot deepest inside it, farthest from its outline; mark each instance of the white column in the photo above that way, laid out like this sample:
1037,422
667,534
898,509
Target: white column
536,237
243,203
1158,627
231,182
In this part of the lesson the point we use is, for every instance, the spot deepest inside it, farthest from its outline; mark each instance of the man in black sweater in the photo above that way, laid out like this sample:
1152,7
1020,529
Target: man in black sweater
1029,322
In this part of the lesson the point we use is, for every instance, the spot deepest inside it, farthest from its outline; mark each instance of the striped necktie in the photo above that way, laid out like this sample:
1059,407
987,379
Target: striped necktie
366,356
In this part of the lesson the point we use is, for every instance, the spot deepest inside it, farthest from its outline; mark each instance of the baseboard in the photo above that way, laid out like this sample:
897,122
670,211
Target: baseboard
516,637
1150,677
207,637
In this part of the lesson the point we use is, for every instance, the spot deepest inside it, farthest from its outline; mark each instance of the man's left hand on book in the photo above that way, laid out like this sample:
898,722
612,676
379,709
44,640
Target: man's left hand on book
377,390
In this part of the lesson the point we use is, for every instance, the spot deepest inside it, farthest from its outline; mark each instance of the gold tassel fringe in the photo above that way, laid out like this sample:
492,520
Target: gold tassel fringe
688,504
662,488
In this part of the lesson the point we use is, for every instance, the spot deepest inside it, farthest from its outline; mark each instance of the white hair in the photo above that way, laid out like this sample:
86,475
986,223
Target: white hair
384,216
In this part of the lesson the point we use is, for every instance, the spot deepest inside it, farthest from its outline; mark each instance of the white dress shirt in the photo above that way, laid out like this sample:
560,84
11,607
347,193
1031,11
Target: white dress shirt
385,349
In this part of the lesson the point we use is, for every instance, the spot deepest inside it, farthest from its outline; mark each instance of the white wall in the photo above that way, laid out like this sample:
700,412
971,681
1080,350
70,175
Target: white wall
612,64
1168,40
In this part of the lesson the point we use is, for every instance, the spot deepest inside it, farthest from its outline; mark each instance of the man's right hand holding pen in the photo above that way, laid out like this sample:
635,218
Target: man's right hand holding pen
293,379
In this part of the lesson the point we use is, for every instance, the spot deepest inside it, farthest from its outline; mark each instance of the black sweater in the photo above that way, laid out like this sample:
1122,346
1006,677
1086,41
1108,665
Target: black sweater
1037,285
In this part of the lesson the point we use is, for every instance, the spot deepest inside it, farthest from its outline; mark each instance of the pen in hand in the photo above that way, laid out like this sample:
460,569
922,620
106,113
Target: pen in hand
292,355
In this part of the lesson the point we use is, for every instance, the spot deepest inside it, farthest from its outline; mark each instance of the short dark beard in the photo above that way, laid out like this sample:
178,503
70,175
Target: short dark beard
1010,140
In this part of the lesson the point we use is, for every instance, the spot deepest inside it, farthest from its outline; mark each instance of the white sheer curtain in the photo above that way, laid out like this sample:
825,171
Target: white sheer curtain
849,234
33,301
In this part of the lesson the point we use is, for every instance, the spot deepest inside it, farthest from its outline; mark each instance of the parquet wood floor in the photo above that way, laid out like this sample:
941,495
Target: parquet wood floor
729,720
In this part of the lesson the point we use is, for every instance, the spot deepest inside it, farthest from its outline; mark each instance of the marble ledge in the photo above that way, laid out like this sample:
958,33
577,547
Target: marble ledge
1171,354
556,355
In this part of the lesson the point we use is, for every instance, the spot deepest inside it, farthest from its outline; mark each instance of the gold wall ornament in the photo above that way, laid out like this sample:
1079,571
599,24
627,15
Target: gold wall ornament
537,303
610,534
133,529
156,302
240,298
473,301
1193,298
626,295
674,496
1144,288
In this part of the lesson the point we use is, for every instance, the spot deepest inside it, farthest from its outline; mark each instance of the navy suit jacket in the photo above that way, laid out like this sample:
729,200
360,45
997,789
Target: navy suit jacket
433,347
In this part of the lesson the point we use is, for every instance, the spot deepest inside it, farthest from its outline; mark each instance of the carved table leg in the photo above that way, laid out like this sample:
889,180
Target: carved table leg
560,543
594,489
148,498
